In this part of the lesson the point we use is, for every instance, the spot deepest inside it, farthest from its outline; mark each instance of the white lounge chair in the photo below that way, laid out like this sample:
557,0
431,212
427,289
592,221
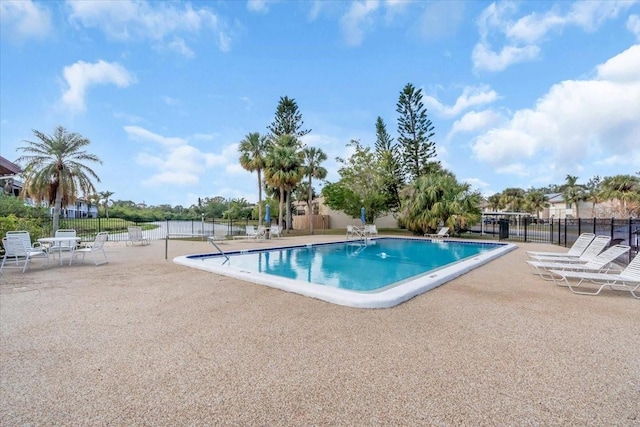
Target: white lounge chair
578,247
600,264
136,236
627,280
17,250
443,232
97,246
275,231
595,248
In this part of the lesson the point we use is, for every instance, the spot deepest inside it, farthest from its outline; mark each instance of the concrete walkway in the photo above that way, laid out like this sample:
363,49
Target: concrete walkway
143,341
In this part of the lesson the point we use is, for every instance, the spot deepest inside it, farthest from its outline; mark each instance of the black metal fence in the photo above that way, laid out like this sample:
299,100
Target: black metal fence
564,232
87,228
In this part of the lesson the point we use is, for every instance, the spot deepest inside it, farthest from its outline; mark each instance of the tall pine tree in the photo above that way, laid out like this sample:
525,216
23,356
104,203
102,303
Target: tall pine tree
387,155
288,120
415,131
288,123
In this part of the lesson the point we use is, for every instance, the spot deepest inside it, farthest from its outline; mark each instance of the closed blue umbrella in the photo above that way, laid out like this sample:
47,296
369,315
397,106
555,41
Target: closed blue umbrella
362,215
267,215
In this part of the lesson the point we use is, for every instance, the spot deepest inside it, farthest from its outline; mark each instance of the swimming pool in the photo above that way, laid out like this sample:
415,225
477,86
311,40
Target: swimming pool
381,273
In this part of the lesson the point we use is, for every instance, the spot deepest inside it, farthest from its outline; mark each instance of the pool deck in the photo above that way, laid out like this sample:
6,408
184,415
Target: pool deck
145,341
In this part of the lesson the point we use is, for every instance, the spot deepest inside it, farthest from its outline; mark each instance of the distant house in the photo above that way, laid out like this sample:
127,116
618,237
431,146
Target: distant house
559,209
9,179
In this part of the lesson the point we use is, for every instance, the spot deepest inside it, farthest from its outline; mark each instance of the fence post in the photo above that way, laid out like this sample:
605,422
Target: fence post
611,230
565,232
579,226
594,225
525,228
629,238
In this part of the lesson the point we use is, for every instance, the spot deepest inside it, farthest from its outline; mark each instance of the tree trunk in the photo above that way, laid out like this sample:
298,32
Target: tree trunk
280,206
259,198
288,203
57,206
309,202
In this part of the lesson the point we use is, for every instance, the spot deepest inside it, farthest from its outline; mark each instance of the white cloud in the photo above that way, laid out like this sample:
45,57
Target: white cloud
633,25
358,19
141,20
474,121
139,133
257,6
437,20
575,121
23,20
471,96
82,75
175,160
522,36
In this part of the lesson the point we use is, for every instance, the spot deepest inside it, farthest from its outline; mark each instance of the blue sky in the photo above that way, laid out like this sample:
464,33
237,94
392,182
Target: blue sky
520,93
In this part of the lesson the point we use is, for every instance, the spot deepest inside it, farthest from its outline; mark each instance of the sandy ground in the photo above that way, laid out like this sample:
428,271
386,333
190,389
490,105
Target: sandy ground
143,341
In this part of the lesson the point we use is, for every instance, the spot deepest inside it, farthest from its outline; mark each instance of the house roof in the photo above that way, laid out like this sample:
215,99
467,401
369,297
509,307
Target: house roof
555,197
8,168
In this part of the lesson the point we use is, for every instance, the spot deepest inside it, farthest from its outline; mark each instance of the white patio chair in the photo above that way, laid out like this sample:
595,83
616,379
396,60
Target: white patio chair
25,236
63,246
275,231
601,263
93,248
253,234
443,232
17,251
136,236
627,280
595,248
371,230
578,247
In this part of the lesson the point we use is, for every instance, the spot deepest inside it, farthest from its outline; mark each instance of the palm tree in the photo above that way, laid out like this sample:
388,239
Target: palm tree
312,169
253,151
536,201
494,202
512,198
434,199
104,196
625,188
54,171
284,170
572,192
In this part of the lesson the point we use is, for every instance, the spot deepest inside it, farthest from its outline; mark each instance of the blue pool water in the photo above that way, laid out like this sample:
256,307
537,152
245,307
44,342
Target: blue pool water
379,275
353,266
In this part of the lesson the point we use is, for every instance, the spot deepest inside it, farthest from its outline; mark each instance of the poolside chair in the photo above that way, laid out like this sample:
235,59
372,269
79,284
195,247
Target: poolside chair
575,250
601,263
354,232
25,236
275,231
63,246
136,236
17,251
623,281
370,230
594,249
94,248
443,232
253,233
217,237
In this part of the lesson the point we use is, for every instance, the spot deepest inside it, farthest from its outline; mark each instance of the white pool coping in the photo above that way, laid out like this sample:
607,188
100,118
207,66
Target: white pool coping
385,298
